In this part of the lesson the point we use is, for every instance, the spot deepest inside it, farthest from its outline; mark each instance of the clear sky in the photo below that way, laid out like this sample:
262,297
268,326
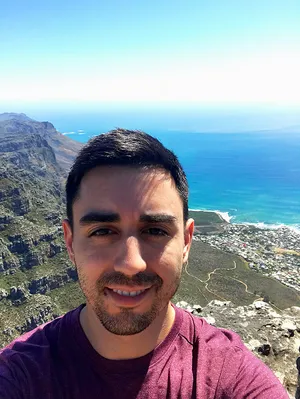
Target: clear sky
217,53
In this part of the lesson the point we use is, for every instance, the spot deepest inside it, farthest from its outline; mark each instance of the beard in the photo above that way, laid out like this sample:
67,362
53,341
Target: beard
127,322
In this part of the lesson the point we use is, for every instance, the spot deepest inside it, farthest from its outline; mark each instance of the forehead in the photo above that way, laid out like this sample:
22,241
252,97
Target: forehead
127,189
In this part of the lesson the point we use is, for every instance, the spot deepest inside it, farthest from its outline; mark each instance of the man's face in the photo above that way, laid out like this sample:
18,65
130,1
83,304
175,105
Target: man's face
128,243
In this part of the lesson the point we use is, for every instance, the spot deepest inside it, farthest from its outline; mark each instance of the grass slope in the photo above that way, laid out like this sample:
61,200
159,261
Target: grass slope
232,281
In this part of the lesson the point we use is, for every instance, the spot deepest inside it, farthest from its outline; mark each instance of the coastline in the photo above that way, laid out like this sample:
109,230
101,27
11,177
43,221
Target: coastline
226,218
235,201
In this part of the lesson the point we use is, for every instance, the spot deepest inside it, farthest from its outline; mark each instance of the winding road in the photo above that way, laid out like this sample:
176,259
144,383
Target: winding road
206,282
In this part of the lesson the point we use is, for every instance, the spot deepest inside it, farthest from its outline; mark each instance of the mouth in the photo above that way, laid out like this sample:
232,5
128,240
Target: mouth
129,293
127,298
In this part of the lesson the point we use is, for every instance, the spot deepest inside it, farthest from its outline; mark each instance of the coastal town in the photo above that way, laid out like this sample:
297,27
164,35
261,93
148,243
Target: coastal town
275,252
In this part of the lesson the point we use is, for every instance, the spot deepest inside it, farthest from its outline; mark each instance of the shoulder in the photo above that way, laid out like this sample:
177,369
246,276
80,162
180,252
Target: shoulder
28,360
24,357
30,348
216,348
222,357
38,337
32,339
197,329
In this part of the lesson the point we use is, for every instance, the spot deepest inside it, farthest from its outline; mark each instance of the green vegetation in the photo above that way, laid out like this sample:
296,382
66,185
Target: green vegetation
67,297
238,284
51,267
205,217
9,280
17,319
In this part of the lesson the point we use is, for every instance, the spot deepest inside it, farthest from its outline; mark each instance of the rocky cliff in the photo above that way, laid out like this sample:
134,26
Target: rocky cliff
34,159
19,126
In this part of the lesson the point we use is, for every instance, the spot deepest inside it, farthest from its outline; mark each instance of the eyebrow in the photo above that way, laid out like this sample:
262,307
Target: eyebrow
158,218
111,217
102,217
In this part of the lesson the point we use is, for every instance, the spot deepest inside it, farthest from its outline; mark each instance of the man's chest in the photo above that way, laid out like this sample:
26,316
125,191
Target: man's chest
171,379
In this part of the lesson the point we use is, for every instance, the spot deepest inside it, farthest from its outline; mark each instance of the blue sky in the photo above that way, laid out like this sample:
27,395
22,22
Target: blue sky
177,53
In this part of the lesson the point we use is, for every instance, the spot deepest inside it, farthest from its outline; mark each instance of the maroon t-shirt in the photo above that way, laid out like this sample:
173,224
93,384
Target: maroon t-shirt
195,360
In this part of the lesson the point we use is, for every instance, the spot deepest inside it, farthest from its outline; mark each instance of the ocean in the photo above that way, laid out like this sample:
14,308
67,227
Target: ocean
249,177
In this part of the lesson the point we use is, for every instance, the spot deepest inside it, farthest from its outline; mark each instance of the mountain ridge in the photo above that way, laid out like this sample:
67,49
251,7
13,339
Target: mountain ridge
14,115
65,149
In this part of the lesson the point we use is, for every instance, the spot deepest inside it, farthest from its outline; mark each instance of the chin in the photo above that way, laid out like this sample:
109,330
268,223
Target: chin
126,321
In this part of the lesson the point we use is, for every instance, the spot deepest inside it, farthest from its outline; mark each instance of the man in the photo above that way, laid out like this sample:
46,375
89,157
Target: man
128,234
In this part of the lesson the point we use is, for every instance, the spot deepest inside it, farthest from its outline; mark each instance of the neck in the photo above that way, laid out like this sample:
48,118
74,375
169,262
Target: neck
117,347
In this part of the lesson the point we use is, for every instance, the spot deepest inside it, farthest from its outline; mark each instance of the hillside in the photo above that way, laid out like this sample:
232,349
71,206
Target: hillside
16,127
12,115
34,159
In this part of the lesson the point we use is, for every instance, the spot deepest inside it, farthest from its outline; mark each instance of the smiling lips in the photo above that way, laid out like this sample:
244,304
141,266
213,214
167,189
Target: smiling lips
129,293
127,298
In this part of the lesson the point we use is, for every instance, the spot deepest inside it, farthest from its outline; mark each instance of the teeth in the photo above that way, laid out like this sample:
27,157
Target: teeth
127,293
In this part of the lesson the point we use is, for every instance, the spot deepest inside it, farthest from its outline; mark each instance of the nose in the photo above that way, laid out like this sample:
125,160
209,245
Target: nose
129,259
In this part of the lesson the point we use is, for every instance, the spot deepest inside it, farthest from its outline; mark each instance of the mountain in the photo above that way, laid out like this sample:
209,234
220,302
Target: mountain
12,115
34,160
18,126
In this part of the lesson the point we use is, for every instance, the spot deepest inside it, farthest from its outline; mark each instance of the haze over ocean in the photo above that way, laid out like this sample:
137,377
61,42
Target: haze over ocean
254,176
174,69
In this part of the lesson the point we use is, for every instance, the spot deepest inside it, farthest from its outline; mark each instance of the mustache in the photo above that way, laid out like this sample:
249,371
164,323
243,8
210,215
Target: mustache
140,279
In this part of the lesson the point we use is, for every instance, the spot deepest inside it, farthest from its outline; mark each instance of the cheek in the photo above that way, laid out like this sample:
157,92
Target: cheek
91,261
169,263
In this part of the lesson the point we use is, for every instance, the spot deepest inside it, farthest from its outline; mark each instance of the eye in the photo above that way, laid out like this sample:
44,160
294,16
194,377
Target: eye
155,231
102,232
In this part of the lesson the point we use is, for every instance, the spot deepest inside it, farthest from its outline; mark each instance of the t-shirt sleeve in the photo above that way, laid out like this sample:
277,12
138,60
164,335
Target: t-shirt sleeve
11,378
252,378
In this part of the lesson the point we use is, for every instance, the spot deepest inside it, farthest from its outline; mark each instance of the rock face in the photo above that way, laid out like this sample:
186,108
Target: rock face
272,336
34,159
13,115
18,127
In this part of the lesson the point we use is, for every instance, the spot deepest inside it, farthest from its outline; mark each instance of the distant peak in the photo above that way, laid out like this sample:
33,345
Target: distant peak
48,125
13,115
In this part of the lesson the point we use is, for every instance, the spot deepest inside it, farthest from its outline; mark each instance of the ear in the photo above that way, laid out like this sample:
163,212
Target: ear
68,235
188,237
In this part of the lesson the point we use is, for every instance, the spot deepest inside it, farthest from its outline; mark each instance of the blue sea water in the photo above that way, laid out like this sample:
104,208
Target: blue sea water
255,177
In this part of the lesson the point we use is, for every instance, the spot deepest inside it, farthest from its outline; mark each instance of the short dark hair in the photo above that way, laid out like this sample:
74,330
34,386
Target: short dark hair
121,147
